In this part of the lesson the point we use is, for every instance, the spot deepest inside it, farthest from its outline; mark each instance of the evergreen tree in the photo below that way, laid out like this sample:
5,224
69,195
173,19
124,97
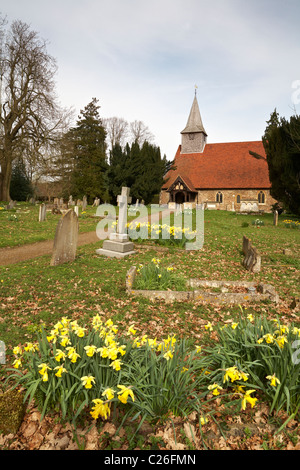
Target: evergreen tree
282,146
89,159
20,184
141,168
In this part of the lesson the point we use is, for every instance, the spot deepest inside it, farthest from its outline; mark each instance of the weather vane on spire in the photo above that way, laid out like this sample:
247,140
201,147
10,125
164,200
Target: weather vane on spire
196,89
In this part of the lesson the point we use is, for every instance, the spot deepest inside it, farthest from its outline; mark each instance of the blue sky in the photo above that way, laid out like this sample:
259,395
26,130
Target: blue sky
142,60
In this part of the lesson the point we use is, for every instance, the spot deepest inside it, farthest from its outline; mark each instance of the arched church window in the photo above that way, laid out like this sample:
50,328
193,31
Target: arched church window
238,199
261,197
219,197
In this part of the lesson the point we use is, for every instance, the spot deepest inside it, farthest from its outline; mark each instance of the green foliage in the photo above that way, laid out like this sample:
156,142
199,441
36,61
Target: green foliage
262,349
153,276
282,145
20,184
139,167
88,176
74,367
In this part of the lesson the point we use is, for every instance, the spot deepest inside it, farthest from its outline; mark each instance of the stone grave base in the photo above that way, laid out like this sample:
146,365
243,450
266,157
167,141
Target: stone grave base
199,291
117,246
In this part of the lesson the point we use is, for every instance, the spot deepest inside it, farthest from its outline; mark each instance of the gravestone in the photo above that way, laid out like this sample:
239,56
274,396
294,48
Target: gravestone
2,352
11,204
118,245
249,206
76,209
275,221
42,212
66,238
96,202
84,203
252,260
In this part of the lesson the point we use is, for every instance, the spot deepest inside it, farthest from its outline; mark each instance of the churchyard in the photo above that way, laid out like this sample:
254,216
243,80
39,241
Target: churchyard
35,294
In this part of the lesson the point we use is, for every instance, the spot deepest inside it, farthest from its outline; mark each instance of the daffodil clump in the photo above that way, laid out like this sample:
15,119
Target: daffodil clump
74,364
292,223
260,352
78,368
162,234
154,276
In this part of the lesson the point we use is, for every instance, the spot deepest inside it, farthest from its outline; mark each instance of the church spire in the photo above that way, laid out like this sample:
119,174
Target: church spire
193,135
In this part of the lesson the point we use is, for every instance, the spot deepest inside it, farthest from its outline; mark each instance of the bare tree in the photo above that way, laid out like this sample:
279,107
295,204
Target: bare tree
29,115
140,133
117,130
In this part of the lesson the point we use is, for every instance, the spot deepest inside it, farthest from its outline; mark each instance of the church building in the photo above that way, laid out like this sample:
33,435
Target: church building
226,176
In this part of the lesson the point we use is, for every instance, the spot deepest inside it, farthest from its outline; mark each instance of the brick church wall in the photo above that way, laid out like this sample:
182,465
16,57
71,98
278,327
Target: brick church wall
229,197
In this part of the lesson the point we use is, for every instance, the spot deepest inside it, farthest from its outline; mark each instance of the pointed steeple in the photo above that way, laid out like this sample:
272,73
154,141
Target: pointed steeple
193,135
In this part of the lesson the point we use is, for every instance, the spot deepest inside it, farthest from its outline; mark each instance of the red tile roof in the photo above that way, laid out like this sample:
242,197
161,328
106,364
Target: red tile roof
222,166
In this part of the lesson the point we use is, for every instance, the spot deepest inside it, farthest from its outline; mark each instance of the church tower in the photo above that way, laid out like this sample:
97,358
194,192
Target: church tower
193,136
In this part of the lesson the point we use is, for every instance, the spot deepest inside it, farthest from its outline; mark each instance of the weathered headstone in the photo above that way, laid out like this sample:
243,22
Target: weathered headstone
96,202
76,210
275,221
71,202
84,203
2,352
66,238
249,206
252,260
118,245
11,204
42,212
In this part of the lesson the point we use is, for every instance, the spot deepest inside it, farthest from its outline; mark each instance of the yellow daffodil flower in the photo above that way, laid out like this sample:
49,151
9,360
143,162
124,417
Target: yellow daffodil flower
60,370
280,340
215,388
208,326
203,420
44,371
90,350
116,364
100,409
131,330
64,341
274,381
60,355
268,338
17,350
87,381
17,363
124,393
168,355
109,393
248,399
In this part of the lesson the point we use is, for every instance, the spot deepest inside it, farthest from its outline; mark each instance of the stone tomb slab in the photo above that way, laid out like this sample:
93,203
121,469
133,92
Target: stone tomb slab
202,291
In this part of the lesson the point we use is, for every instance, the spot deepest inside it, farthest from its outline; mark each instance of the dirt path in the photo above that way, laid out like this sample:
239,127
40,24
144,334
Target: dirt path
12,255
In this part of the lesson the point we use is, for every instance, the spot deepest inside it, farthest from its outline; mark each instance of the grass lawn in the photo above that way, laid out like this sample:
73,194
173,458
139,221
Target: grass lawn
34,293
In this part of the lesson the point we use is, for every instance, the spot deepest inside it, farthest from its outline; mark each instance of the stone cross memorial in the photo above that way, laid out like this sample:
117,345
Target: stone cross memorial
66,238
118,245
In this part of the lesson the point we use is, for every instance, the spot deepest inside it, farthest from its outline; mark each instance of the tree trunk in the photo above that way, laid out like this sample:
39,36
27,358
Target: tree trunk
5,177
